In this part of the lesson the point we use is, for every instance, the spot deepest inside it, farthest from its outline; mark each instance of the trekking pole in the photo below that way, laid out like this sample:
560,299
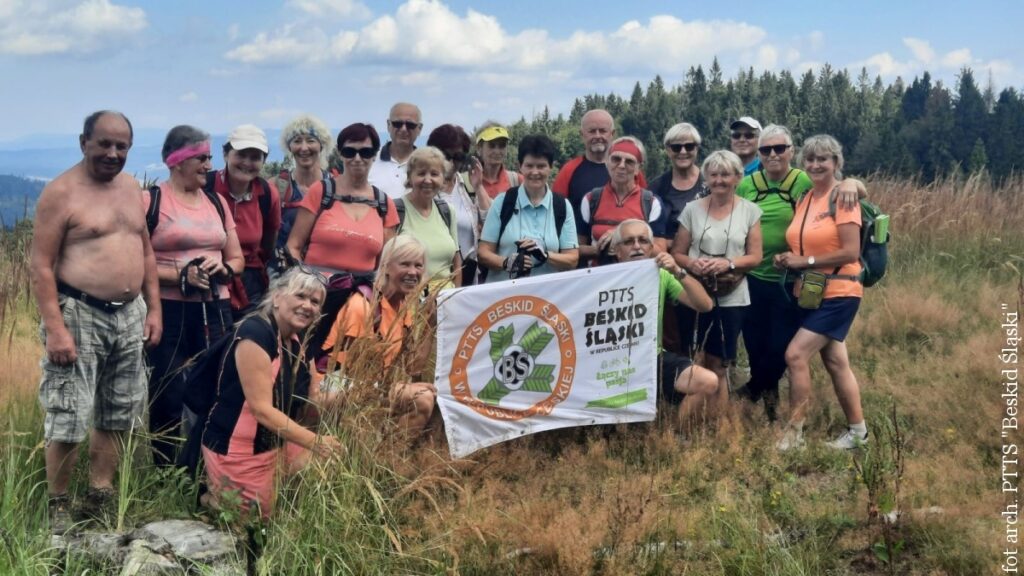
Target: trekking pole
206,322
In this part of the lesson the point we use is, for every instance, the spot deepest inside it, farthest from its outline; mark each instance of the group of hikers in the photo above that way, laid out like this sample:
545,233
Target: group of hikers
277,279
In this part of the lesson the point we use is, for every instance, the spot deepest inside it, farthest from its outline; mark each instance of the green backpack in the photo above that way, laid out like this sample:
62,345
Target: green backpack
874,251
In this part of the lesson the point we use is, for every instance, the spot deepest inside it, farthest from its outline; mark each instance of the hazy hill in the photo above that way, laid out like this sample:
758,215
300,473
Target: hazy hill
18,197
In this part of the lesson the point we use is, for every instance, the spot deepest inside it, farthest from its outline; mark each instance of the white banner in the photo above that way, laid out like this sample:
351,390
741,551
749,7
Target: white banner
568,349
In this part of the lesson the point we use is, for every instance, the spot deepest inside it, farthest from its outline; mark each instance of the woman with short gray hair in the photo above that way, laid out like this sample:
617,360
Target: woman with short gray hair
719,239
308,144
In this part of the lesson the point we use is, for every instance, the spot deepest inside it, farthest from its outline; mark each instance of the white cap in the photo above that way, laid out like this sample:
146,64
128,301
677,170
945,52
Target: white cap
746,121
248,136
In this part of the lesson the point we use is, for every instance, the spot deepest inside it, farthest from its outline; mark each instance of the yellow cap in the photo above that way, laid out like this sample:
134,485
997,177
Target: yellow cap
492,133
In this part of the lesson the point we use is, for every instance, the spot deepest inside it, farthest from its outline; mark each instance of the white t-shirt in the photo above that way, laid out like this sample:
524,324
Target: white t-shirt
721,238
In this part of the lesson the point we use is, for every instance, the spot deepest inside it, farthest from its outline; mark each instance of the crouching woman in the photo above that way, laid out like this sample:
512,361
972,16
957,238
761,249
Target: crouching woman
249,434
386,326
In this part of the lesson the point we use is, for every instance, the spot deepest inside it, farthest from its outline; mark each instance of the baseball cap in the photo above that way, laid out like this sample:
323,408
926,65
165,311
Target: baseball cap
248,136
746,121
492,133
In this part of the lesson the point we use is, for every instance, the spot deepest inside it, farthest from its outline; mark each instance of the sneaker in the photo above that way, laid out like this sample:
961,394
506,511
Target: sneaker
848,441
60,515
791,440
98,505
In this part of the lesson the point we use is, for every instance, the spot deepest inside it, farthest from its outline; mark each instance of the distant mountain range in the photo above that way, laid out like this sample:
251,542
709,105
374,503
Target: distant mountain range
45,156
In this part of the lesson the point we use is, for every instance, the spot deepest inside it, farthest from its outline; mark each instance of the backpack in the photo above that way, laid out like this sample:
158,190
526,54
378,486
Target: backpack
379,201
646,205
202,380
153,212
784,190
508,207
874,254
442,207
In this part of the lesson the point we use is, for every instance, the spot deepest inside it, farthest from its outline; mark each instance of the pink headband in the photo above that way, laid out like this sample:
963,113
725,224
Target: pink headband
182,154
628,147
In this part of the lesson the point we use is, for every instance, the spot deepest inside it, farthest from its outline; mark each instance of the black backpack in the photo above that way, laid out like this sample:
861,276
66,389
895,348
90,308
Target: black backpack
442,207
153,213
508,208
379,201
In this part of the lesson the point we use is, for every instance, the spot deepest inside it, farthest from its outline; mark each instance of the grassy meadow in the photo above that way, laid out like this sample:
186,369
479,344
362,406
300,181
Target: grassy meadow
641,499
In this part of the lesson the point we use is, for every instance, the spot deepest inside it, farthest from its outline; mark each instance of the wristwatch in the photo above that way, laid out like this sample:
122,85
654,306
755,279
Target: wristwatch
810,261
732,265
681,274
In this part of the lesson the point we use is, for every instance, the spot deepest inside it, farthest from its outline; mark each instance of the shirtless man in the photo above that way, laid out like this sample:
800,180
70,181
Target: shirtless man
92,267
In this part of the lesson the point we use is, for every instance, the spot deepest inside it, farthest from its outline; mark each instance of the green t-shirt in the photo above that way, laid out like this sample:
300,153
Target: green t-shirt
669,290
440,240
776,214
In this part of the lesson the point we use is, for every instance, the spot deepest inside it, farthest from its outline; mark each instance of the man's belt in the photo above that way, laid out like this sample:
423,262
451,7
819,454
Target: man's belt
104,305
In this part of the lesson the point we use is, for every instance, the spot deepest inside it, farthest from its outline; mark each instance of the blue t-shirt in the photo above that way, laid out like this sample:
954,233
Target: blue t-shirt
528,221
754,166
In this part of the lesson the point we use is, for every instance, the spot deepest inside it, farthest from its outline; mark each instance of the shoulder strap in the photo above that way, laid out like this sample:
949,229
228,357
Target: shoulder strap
264,199
759,180
832,202
508,207
646,203
326,201
513,177
400,210
382,202
214,198
789,180
153,212
595,200
558,204
444,210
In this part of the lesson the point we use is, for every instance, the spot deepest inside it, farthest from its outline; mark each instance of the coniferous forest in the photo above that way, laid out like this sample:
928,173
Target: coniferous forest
923,129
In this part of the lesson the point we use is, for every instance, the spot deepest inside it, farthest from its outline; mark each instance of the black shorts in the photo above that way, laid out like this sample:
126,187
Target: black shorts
671,366
719,330
833,319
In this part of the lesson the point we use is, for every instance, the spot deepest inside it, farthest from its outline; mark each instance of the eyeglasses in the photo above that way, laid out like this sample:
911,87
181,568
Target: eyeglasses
407,124
689,147
779,149
203,159
743,135
616,160
641,240
364,153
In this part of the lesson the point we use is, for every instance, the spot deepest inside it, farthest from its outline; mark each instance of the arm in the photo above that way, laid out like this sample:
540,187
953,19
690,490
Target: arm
301,230
153,328
851,191
487,255
849,251
46,242
693,295
457,267
564,259
254,372
750,259
681,250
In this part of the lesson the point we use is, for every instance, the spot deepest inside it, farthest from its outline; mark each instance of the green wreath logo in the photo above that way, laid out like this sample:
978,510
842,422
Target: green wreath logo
515,365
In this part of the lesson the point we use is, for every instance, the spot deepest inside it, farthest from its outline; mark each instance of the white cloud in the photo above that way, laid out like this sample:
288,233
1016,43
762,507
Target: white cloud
331,8
921,49
188,97
32,28
924,58
429,32
234,31
429,79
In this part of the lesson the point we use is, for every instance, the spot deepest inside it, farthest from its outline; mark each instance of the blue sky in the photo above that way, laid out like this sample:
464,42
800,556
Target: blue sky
218,64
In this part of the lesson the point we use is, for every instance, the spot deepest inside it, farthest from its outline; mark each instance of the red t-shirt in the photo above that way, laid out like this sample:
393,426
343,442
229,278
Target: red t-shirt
249,224
340,242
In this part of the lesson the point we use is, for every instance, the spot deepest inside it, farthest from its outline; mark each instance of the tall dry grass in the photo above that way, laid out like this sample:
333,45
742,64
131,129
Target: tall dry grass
643,499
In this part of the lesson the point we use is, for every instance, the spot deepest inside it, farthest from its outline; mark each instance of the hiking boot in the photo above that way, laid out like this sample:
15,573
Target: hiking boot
848,441
792,439
60,515
98,505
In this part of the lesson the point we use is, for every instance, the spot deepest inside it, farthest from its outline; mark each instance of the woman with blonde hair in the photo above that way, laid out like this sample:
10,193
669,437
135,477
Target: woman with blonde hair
387,322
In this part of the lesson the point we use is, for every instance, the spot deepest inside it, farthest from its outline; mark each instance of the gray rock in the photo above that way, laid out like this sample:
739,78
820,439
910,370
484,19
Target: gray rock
142,560
190,540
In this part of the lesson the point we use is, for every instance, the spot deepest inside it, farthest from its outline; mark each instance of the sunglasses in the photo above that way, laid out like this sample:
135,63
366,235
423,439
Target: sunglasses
689,146
616,160
364,153
743,136
408,125
779,149
305,269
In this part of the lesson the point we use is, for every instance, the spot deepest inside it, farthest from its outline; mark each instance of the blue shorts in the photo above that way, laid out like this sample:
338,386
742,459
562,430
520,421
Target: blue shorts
719,330
833,319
